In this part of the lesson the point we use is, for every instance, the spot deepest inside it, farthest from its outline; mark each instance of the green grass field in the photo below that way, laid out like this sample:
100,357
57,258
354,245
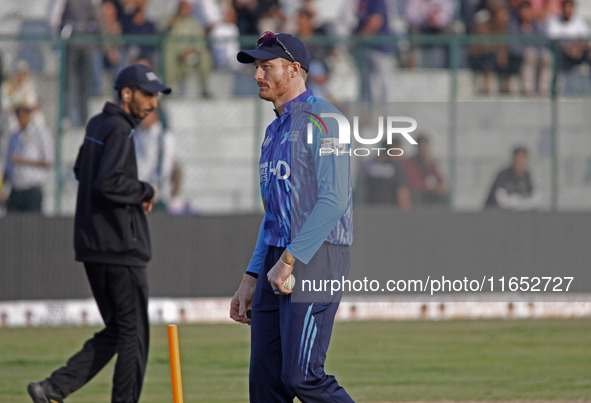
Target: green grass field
376,361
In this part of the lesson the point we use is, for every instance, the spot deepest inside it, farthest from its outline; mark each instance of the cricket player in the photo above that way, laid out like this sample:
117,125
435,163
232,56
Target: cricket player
112,239
307,230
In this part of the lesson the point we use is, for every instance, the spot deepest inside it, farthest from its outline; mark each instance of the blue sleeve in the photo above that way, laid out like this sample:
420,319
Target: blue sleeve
260,251
334,192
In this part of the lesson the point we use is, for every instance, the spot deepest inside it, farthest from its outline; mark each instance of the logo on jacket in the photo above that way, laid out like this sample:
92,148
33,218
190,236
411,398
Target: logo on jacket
280,169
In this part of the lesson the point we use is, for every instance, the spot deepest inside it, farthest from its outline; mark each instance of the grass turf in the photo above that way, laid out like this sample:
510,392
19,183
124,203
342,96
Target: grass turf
376,361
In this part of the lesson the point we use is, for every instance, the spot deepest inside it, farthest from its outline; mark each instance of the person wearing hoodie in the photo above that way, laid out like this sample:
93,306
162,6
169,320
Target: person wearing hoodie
112,239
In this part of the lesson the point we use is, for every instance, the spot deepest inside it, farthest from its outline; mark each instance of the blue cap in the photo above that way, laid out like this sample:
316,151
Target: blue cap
272,50
138,75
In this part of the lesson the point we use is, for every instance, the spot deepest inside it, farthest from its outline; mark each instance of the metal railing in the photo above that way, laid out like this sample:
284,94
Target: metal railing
456,93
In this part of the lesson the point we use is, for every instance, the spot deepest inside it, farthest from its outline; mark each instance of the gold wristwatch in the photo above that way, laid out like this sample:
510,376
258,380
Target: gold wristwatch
287,258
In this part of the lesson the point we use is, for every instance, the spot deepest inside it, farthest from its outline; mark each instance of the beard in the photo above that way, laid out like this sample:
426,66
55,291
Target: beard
281,87
138,114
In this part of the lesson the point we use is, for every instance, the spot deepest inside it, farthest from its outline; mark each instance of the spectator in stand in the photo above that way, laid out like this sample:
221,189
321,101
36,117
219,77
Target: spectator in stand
377,62
321,54
157,163
29,157
544,9
382,179
177,205
318,81
118,6
490,58
77,17
154,150
573,32
186,50
307,29
114,57
271,14
246,16
536,59
513,6
256,16
426,184
208,12
469,10
429,17
219,20
135,22
513,188
19,90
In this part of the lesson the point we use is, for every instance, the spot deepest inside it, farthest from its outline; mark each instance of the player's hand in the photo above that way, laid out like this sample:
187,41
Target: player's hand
242,300
277,276
148,206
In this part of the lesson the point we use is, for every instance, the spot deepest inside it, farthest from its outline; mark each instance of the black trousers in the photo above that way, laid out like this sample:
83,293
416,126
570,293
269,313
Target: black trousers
29,200
121,293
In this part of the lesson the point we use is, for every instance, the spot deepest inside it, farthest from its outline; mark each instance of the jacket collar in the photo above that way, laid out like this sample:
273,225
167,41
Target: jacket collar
300,98
112,109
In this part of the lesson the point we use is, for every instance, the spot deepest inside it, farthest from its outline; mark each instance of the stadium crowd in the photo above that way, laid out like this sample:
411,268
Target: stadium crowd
202,35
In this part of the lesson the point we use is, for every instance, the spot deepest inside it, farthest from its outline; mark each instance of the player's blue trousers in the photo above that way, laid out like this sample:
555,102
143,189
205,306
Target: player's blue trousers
289,340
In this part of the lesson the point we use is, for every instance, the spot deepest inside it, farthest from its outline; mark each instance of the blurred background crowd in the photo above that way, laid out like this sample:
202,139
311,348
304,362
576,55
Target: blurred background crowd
517,59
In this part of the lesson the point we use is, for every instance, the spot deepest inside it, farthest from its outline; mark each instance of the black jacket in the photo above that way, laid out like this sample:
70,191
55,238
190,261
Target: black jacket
507,179
110,226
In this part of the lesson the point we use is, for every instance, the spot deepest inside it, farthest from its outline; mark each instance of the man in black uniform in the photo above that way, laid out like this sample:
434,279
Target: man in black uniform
513,188
111,238
382,178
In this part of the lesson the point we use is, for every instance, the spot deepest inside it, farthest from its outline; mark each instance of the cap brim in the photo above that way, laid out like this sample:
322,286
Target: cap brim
249,56
154,87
